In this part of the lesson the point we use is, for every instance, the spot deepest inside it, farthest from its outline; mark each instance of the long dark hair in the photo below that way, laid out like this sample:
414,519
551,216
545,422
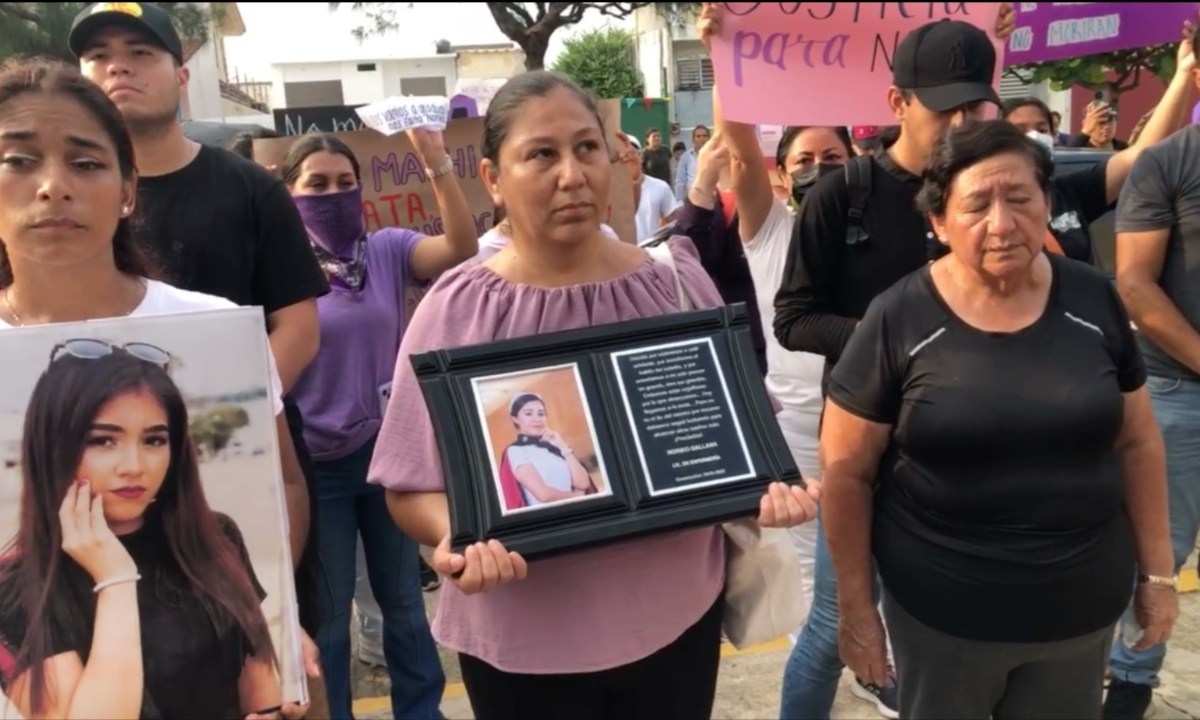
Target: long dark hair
309,144
39,582
21,76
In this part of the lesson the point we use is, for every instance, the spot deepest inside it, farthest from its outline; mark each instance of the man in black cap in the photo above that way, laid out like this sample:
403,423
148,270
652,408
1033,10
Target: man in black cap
213,222
857,233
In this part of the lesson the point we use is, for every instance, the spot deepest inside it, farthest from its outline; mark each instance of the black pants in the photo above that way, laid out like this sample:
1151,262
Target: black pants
944,677
678,681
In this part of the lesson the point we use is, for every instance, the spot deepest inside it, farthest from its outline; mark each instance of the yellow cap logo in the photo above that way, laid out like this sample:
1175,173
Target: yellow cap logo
133,9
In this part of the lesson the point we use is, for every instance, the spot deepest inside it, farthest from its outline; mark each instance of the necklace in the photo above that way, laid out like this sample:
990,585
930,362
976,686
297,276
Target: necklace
12,310
21,323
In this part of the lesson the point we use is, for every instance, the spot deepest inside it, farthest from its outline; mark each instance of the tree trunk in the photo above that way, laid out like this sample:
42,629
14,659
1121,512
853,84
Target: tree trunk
535,47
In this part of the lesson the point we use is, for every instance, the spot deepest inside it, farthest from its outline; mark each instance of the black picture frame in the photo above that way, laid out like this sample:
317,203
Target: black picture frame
633,505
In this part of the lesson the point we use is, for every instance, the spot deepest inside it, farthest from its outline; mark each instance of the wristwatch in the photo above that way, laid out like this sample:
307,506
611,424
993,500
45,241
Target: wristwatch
1171,582
445,168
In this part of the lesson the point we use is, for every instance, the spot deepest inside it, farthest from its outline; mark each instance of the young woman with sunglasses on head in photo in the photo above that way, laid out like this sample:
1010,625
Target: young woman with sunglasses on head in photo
343,393
67,189
154,612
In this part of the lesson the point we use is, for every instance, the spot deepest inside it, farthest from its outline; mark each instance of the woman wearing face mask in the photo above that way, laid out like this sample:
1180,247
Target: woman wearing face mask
1078,199
539,464
343,393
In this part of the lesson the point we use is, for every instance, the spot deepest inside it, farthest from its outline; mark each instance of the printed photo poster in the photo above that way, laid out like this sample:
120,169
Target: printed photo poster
164,418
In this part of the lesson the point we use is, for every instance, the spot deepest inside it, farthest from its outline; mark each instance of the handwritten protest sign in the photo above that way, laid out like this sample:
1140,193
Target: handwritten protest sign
397,114
1058,31
821,63
327,118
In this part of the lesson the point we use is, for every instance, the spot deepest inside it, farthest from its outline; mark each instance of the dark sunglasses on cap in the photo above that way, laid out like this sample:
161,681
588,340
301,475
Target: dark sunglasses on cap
88,349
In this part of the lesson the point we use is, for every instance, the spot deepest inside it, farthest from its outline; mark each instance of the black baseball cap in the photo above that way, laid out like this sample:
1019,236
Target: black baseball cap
947,64
144,17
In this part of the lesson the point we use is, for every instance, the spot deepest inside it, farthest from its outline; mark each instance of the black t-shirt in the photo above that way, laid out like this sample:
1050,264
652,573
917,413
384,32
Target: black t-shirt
191,667
657,163
828,283
224,226
999,510
1077,200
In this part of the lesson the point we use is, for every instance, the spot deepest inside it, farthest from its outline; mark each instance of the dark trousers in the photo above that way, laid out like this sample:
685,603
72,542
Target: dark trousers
941,676
678,681
351,508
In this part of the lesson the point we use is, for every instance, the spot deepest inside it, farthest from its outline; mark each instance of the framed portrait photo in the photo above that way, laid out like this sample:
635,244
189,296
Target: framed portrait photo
579,438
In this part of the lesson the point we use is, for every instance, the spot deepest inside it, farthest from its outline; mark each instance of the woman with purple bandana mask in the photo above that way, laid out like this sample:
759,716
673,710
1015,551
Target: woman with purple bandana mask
343,395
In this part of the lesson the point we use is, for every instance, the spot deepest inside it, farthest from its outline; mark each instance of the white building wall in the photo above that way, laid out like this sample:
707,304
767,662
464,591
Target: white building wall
362,86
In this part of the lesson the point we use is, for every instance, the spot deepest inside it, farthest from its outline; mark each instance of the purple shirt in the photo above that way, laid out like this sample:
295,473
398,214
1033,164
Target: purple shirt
583,611
343,393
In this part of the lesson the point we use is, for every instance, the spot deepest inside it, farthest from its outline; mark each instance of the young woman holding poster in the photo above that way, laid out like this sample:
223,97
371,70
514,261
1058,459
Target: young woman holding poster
111,481
343,393
549,643
67,189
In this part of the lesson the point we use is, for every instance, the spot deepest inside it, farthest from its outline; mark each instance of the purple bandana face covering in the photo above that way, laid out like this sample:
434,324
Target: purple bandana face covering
334,220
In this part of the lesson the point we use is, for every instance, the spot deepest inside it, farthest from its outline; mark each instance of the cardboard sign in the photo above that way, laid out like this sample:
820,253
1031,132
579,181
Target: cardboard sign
396,192
1058,31
397,114
772,59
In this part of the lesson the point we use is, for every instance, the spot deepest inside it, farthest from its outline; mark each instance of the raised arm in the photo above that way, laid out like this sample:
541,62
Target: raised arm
751,183
437,253
1168,117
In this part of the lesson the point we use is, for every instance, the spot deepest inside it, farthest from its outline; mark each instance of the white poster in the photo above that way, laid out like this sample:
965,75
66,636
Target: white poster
140,454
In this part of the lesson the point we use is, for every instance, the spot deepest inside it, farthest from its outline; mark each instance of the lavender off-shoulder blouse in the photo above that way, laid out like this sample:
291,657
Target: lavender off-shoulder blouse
584,611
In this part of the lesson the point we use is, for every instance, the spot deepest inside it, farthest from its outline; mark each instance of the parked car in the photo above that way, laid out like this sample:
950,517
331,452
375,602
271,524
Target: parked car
1068,160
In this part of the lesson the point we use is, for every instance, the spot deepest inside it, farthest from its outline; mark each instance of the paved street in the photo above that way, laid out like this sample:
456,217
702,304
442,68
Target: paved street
749,683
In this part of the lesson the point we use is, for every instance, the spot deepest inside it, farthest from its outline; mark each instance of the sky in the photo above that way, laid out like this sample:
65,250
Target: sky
290,32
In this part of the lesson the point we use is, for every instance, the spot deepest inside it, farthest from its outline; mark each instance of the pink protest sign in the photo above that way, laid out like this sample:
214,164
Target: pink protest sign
822,63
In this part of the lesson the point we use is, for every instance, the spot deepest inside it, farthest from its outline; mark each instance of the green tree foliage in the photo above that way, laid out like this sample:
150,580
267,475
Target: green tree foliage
214,429
529,24
602,61
41,28
1114,72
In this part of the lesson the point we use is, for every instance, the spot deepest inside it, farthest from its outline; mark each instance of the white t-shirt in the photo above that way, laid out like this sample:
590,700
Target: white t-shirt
657,202
553,470
164,299
794,378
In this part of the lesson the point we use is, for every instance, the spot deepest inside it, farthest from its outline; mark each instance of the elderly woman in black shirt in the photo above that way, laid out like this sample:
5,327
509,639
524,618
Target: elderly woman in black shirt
989,440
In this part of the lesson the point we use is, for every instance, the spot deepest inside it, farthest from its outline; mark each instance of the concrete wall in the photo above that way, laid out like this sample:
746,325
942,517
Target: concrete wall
362,86
488,64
